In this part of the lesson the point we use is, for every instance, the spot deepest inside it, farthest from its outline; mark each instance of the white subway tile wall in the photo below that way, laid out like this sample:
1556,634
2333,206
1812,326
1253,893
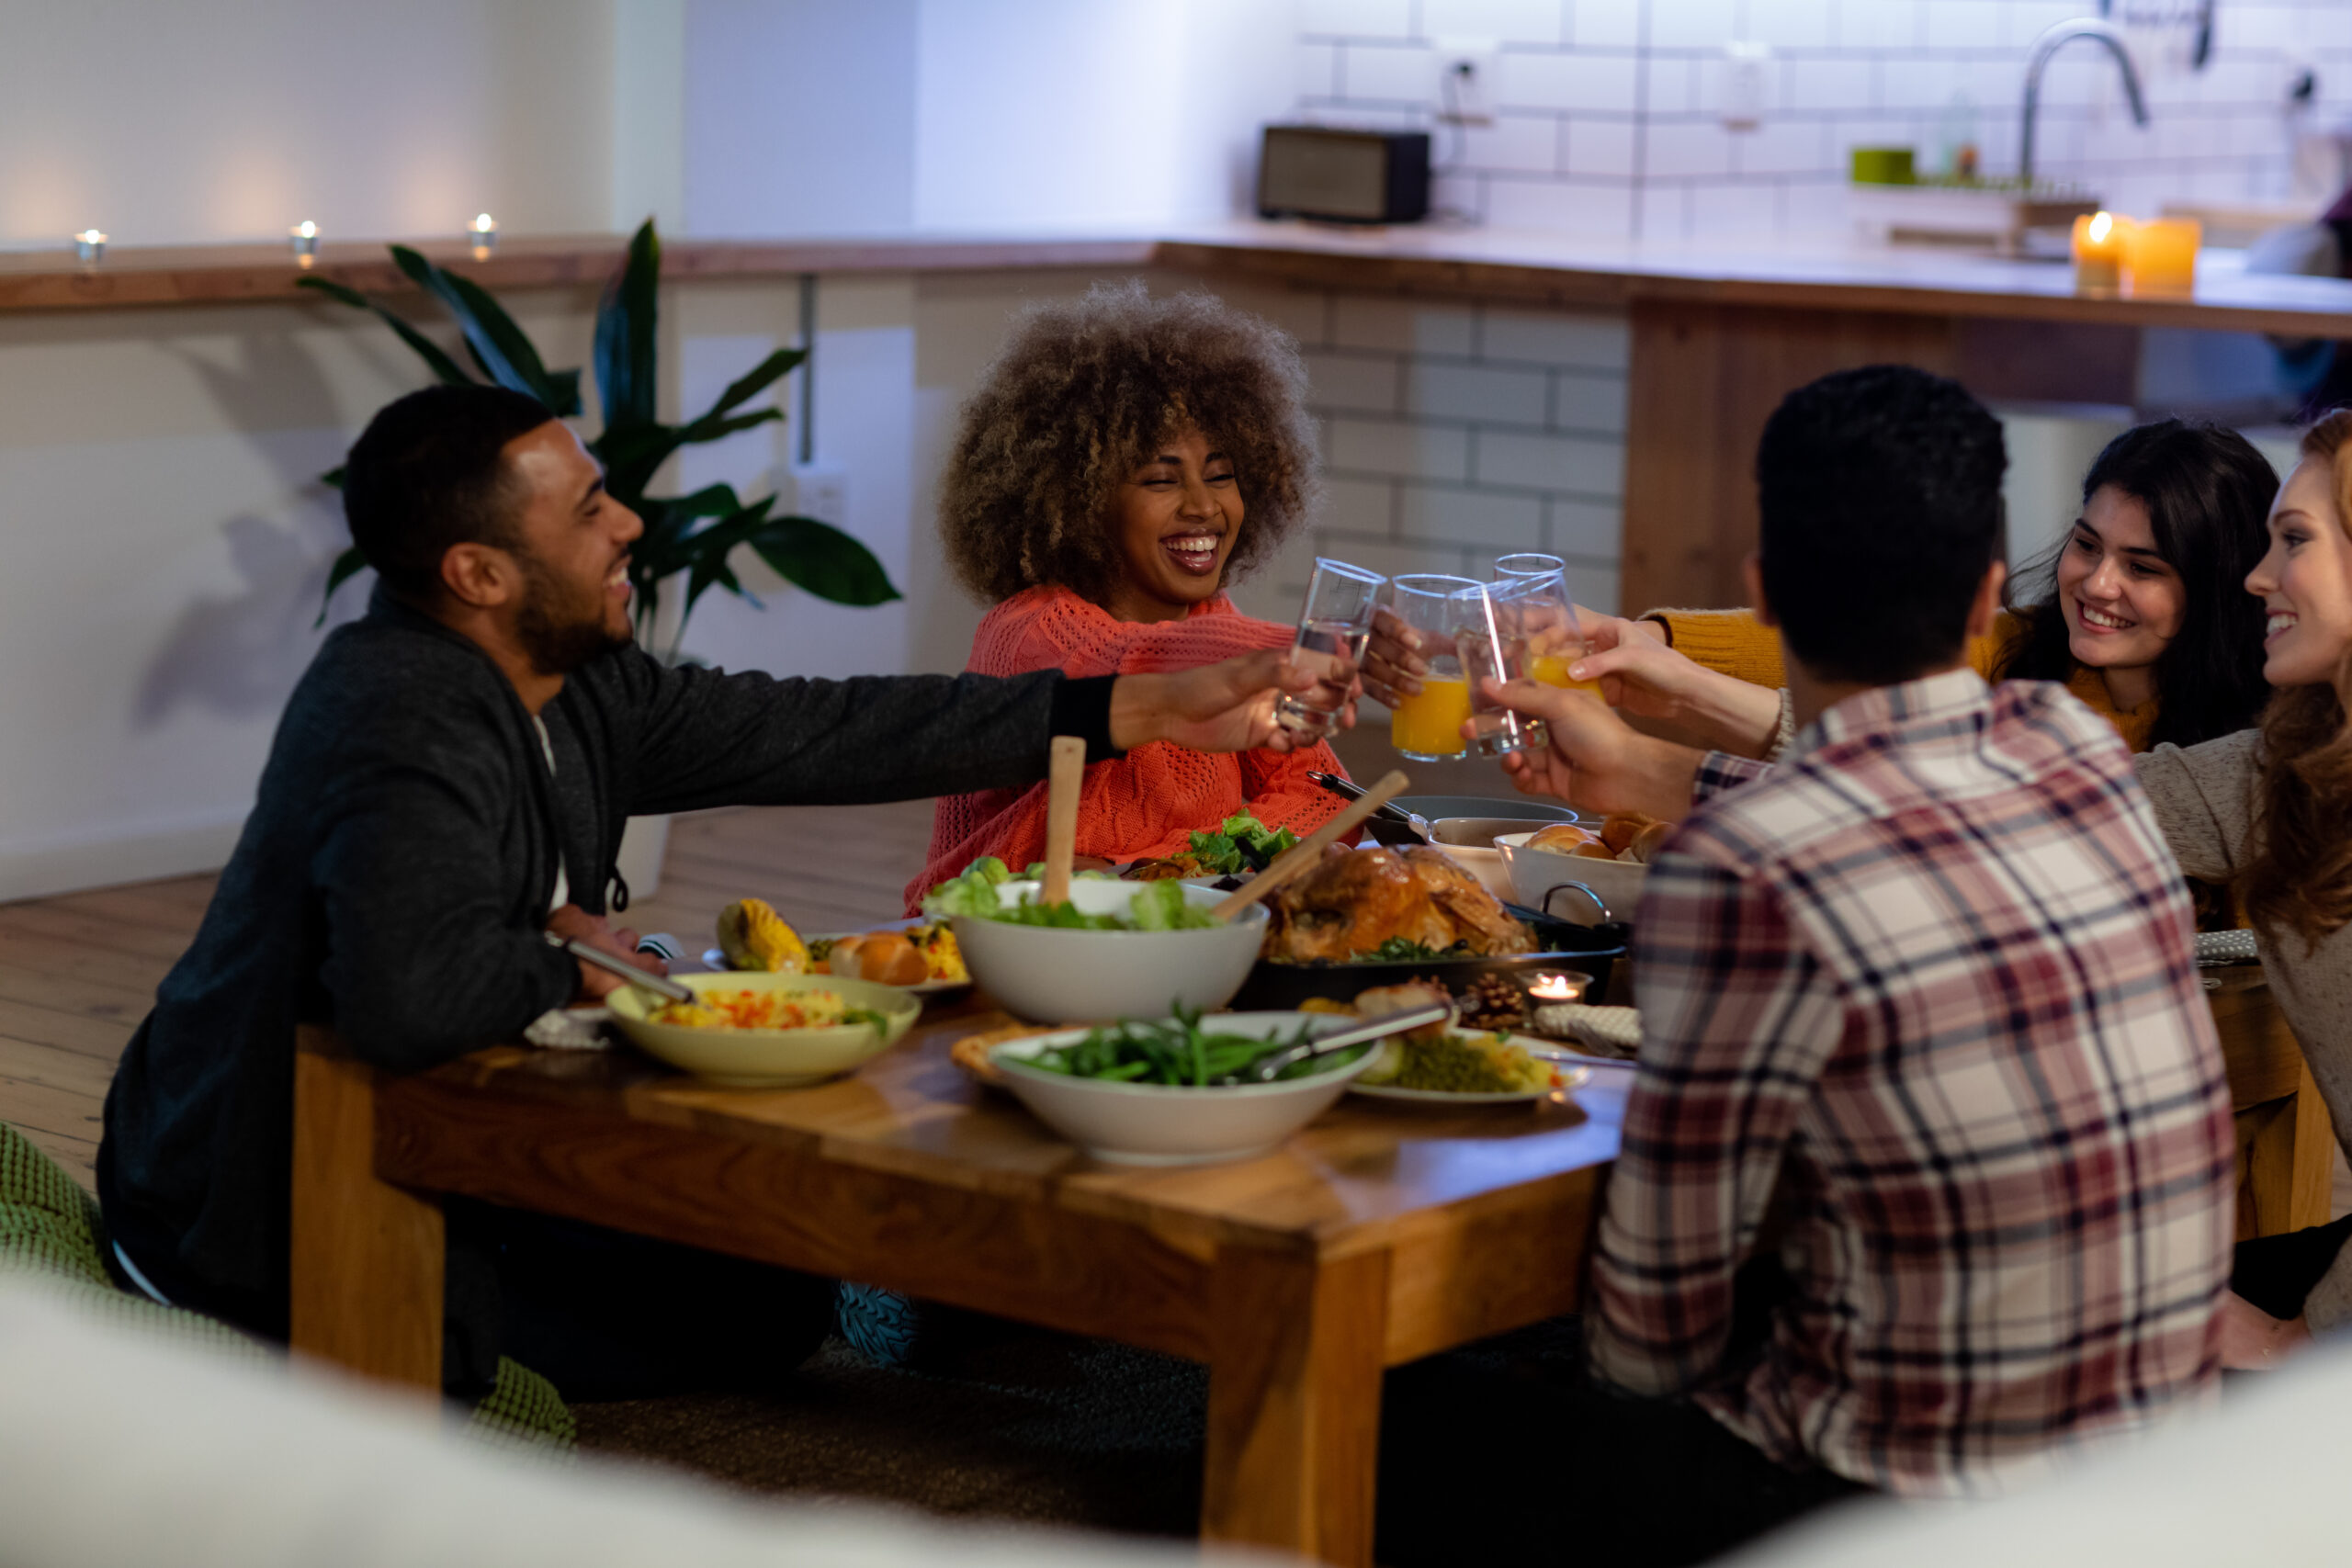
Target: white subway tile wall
1452,434
1609,112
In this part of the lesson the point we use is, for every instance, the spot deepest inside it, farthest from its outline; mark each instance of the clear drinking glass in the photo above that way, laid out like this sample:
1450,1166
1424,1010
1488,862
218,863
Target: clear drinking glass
1529,565
1332,629
1428,727
1490,632
1554,638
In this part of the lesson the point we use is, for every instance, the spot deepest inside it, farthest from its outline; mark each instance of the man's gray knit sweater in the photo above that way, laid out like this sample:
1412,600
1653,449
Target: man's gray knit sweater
396,871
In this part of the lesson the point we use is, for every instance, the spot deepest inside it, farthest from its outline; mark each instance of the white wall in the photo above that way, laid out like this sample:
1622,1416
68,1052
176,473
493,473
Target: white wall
174,121
1609,121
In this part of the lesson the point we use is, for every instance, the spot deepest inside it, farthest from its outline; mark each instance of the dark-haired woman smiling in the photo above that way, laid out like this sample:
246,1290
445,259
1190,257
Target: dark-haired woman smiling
2140,611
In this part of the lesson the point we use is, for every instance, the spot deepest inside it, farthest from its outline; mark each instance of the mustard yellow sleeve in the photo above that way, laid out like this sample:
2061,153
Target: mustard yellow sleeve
1985,652
1729,642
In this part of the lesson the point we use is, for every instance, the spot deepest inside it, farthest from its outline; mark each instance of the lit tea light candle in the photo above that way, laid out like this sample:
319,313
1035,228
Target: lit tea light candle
90,246
484,233
2098,253
1556,987
304,237
2161,257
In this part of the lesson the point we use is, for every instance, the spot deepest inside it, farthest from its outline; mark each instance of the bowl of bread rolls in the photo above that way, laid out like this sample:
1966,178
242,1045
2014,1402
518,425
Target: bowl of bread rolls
1580,872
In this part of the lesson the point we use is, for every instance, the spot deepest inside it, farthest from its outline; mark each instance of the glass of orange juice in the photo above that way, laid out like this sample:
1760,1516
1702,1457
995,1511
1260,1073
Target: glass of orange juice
1427,728
1554,639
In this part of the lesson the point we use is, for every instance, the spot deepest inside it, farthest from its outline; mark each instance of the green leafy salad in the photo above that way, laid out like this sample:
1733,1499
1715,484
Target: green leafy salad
1241,843
1182,1055
1156,906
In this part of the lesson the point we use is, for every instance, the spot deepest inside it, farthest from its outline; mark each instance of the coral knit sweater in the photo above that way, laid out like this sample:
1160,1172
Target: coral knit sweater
1149,801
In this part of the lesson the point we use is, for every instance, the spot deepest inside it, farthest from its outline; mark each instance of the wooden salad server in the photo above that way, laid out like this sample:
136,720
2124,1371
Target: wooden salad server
1067,771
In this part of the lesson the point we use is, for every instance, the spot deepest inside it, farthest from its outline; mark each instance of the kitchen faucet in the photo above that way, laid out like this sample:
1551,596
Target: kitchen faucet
2048,44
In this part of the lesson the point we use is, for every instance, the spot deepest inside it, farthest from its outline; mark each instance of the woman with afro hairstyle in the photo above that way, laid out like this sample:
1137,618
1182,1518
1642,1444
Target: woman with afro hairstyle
1124,457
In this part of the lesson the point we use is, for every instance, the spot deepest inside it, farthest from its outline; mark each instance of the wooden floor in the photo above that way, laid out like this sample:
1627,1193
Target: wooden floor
78,972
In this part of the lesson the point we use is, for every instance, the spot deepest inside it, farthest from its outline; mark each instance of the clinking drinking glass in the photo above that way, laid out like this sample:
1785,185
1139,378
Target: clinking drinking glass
1492,623
1332,629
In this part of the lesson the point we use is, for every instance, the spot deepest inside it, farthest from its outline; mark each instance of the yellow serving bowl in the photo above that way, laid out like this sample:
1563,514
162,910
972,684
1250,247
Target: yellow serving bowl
768,1058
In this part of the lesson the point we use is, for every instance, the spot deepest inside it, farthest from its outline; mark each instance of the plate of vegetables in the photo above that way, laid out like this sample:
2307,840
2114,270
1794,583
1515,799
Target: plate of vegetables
1178,1090
920,955
767,1030
1458,1067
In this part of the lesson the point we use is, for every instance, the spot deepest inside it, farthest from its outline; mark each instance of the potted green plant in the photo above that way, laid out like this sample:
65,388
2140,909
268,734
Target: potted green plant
688,539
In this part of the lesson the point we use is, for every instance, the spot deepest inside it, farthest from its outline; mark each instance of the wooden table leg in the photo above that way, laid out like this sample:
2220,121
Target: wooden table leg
2289,1162
1294,1427
367,1256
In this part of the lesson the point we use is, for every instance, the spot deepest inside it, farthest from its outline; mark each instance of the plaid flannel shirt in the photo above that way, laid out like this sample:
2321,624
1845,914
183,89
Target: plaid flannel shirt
1927,991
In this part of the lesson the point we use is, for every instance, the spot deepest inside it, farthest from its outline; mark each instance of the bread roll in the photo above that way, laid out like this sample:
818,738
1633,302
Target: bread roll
1647,842
1561,838
1620,831
885,956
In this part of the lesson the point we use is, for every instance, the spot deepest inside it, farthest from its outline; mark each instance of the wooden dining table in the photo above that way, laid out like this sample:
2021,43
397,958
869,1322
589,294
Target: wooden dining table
1377,1236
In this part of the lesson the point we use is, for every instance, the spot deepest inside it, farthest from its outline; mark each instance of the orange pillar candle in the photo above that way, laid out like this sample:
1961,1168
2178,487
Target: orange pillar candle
2161,257
2099,252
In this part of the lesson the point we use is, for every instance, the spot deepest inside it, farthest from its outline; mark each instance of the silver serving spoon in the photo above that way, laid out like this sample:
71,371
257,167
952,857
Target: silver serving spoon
1267,1068
643,979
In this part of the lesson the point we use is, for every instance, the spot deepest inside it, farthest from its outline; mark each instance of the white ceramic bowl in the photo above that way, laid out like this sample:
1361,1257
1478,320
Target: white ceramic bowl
1470,841
768,1058
1535,872
1051,975
1129,1123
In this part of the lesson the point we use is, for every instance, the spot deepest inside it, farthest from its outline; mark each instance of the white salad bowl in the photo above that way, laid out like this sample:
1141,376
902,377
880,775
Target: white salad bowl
1537,873
768,1058
1053,974
1129,1123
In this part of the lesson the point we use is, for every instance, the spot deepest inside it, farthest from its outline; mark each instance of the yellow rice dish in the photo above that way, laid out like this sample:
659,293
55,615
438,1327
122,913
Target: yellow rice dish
766,1010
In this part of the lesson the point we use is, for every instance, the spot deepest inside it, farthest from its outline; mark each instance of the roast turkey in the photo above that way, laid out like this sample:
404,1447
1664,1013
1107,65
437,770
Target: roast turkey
1353,900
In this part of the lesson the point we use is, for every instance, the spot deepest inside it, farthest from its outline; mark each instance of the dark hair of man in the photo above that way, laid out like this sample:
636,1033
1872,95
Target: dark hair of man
427,473
1879,495
2207,492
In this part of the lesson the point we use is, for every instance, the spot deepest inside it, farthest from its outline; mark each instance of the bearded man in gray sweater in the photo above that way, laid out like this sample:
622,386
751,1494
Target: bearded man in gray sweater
450,780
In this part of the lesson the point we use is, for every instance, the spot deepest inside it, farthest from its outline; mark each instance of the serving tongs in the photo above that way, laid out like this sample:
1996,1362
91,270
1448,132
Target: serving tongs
1302,856
1266,1069
1347,789
643,979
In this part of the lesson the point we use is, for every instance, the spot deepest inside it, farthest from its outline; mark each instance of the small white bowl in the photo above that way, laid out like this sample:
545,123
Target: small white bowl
1469,842
769,1058
1127,1123
1536,873
1054,975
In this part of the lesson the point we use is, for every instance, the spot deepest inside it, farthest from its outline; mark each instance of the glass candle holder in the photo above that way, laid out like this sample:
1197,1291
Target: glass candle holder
1333,626
90,247
2160,257
303,239
1427,727
2098,253
483,233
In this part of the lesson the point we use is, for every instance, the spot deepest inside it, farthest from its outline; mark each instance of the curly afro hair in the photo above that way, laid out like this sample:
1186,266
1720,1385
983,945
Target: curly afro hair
1082,395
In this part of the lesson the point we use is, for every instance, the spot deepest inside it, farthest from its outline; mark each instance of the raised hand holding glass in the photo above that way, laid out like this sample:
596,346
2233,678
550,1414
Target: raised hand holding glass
1427,727
1329,644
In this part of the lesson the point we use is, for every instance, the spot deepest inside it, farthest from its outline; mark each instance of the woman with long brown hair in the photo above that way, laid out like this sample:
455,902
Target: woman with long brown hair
2269,810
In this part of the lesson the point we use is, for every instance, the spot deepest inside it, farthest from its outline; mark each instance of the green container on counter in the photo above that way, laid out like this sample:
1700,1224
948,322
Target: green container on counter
1884,166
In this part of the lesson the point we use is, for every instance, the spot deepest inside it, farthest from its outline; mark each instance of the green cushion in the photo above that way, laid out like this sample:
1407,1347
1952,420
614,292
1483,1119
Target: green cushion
49,1226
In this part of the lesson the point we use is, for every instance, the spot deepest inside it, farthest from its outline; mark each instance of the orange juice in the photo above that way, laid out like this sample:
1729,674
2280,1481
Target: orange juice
1430,725
1552,669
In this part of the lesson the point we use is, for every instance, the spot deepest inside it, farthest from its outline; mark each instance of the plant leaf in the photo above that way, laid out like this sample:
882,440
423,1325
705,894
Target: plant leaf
749,386
632,455
502,349
710,427
346,566
626,319
332,477
821,560
434,356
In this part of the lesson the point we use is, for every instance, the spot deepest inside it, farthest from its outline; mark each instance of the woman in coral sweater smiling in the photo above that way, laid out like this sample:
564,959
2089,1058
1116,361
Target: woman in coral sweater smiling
1123,459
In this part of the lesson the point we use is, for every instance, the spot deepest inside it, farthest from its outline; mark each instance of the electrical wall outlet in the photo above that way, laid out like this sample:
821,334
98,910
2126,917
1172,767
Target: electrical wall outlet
1746,63
813,489
1465,81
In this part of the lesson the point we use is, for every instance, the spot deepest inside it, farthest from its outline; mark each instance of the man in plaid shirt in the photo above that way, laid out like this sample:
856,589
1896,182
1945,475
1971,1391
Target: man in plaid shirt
1921,1028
